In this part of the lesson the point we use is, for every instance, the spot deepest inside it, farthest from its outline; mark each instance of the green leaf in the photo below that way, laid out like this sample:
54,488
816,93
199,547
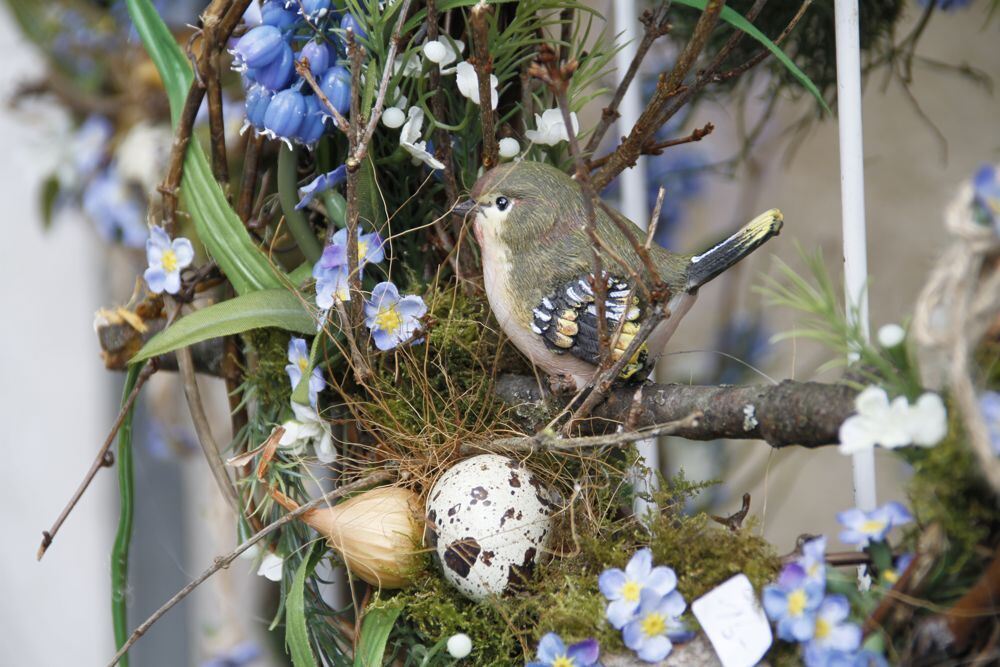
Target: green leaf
218,226
266,308
734,19
371,211
288,196
375,629
296,630
123,536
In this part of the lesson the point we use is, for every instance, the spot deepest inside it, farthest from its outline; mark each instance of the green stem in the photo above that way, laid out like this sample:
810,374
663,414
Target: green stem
123,538
288,195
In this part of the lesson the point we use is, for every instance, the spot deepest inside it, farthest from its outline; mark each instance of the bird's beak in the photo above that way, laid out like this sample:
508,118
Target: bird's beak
465,208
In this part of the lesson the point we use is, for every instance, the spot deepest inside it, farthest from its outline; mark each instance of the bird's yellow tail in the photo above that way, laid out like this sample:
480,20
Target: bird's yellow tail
715,260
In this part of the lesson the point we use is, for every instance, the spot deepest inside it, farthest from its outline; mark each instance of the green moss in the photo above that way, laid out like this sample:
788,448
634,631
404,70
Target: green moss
265,376
563,596
947,488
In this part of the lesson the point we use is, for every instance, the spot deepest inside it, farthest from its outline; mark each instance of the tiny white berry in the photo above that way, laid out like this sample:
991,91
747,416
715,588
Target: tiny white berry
509,147
393,117
891,335
459,645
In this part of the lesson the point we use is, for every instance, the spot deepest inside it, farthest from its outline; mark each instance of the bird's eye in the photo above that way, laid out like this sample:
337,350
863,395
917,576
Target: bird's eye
502,203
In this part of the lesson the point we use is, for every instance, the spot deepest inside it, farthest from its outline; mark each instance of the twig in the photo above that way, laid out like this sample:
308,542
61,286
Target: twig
302,69
650,119
548,441
225,561
656,148
102,460
248,183
656,26
175,170
203,430
443,152
360,150
735,520
483,62
557,77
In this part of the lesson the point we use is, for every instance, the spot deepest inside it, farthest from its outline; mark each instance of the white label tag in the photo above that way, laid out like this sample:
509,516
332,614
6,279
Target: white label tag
734,622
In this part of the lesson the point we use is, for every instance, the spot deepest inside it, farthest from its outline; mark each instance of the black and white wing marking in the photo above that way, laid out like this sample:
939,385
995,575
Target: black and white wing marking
566,320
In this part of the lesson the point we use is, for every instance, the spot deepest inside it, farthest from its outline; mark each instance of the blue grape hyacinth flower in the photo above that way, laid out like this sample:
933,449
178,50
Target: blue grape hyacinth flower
260,46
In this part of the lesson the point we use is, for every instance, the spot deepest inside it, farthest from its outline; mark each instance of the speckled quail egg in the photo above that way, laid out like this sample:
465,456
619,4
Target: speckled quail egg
489,520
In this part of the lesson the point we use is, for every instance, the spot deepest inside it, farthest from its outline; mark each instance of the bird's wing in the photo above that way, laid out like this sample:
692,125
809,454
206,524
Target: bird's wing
566,320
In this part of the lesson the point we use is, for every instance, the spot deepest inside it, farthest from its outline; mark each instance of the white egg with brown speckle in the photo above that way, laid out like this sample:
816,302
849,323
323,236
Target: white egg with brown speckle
489,521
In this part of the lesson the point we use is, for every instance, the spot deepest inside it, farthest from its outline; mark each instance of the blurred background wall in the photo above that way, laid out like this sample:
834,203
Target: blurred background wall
58,400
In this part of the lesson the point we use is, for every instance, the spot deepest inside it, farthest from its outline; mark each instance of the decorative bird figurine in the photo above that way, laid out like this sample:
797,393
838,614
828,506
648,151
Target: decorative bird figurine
531,223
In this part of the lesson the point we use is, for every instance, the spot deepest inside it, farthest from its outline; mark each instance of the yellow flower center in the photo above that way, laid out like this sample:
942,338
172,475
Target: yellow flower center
388,319
822,628
169,260
631,590
562,661
362,249
872,526
796,602
303,364
653,625
891,576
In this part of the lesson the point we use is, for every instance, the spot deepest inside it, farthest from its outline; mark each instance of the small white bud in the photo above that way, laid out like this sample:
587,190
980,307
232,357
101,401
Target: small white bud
509,147
435,51
393,117
891,335
459,645
271,567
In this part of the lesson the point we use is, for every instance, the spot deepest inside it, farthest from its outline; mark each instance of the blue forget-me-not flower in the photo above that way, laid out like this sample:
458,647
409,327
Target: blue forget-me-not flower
553,652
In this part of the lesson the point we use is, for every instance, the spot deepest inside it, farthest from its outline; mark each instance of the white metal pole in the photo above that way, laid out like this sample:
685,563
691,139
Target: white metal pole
852,198
633,181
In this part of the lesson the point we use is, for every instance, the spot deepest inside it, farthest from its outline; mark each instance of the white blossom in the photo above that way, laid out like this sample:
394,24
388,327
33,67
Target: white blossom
307,429
892,424
551,129
271,567
468,83
409,139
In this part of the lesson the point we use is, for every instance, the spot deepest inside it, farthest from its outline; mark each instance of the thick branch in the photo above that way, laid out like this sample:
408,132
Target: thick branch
789,413
483,62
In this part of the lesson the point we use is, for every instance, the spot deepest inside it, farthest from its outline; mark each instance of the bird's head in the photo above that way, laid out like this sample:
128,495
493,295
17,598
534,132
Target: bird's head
519,202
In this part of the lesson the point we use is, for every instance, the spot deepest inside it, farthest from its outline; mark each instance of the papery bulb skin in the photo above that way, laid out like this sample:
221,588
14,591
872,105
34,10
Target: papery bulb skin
377,533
